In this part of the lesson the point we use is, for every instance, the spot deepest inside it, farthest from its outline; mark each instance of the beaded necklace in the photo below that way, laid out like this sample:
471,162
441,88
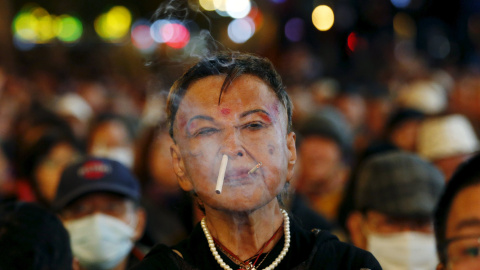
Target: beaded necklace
213,249
247,264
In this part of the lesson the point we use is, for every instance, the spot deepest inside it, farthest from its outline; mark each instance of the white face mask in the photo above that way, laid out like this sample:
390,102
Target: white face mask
404,250
100,241
123,155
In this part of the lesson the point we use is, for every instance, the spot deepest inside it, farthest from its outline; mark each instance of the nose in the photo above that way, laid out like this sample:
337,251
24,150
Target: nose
232,144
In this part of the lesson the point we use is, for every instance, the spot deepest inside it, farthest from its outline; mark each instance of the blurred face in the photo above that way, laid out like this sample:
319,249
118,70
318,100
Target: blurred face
321,166
105,203
47,173
463,230
249,126
111,140
405,136
161,162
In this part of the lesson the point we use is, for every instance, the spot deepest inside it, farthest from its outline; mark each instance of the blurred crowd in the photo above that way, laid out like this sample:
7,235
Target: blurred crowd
361,143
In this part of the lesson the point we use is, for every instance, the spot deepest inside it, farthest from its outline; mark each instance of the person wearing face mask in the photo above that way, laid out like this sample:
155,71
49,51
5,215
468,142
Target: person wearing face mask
395,196
98,202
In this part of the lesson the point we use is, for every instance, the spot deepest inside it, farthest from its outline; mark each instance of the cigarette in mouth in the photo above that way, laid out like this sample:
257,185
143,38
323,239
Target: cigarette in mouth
255,168
221,174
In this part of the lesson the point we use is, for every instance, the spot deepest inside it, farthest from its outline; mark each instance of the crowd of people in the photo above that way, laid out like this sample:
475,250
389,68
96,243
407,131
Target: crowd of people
349,174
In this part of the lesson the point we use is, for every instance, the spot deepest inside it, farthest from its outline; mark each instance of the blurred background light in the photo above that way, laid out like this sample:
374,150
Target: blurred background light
156,30
175,35
400,3
352,41
114,25
241,30
238,8
294,29
220,5
46,25
404,25
323,17
23,26
70,28
141,37
208,5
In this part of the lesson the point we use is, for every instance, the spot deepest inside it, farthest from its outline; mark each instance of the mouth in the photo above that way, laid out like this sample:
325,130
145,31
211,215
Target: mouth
238,177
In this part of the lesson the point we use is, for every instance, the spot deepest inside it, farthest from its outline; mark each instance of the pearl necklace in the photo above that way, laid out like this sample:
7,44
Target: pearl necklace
272,266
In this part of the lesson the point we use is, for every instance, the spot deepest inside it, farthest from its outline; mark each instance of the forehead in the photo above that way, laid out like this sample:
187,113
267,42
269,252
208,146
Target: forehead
464,214
245,92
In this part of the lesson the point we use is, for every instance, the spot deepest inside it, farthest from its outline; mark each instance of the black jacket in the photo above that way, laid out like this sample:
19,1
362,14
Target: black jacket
308,250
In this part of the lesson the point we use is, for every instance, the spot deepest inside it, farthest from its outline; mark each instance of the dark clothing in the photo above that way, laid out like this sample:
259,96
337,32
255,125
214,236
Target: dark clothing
308,250
306,216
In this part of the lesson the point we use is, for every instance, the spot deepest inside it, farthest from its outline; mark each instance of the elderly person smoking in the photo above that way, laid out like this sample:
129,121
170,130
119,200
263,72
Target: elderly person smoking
233,107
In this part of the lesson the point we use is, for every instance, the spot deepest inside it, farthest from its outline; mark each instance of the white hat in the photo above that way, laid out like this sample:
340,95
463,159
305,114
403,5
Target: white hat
74,105
446,136
425,96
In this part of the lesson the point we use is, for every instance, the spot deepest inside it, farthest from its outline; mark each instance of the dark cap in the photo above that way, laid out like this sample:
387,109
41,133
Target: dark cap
95,175
398,183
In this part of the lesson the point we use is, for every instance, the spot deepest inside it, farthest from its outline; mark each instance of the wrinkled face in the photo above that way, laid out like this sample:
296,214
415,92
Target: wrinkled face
249,126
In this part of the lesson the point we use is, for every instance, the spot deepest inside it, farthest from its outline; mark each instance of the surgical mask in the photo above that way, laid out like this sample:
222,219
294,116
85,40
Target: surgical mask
100,241
123,155
404,250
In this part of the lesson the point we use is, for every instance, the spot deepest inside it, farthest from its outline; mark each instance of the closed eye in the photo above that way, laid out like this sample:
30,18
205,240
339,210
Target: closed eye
256,125
205,131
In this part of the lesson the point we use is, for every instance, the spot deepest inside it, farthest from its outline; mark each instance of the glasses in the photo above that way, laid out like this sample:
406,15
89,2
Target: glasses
463,252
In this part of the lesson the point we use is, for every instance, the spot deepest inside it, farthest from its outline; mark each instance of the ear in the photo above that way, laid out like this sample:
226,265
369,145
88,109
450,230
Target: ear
141,223
179,168
354,226
292,154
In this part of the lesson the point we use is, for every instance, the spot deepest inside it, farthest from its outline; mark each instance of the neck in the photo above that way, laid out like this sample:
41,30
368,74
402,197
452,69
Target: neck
244,233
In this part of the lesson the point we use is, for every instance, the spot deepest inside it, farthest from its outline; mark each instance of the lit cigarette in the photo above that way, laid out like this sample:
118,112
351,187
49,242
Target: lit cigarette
221,174
255,168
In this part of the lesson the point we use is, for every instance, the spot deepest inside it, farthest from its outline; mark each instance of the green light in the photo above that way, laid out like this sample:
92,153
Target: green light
70,29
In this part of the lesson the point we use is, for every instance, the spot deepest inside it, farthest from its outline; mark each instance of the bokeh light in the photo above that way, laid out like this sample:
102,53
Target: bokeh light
404,25
294,29
238,8
220,5
241,30
208,5
70,29
115,24
156,30
141,37
175,35
401,3
33,24
323,17
352,41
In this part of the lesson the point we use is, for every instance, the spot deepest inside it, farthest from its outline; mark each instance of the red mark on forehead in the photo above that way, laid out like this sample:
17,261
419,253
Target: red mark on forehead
225,111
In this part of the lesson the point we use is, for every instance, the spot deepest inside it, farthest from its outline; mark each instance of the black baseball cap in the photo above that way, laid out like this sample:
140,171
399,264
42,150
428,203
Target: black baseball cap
95,174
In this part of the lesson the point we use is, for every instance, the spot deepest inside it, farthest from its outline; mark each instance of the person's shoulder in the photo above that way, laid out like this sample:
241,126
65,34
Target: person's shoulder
331,253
